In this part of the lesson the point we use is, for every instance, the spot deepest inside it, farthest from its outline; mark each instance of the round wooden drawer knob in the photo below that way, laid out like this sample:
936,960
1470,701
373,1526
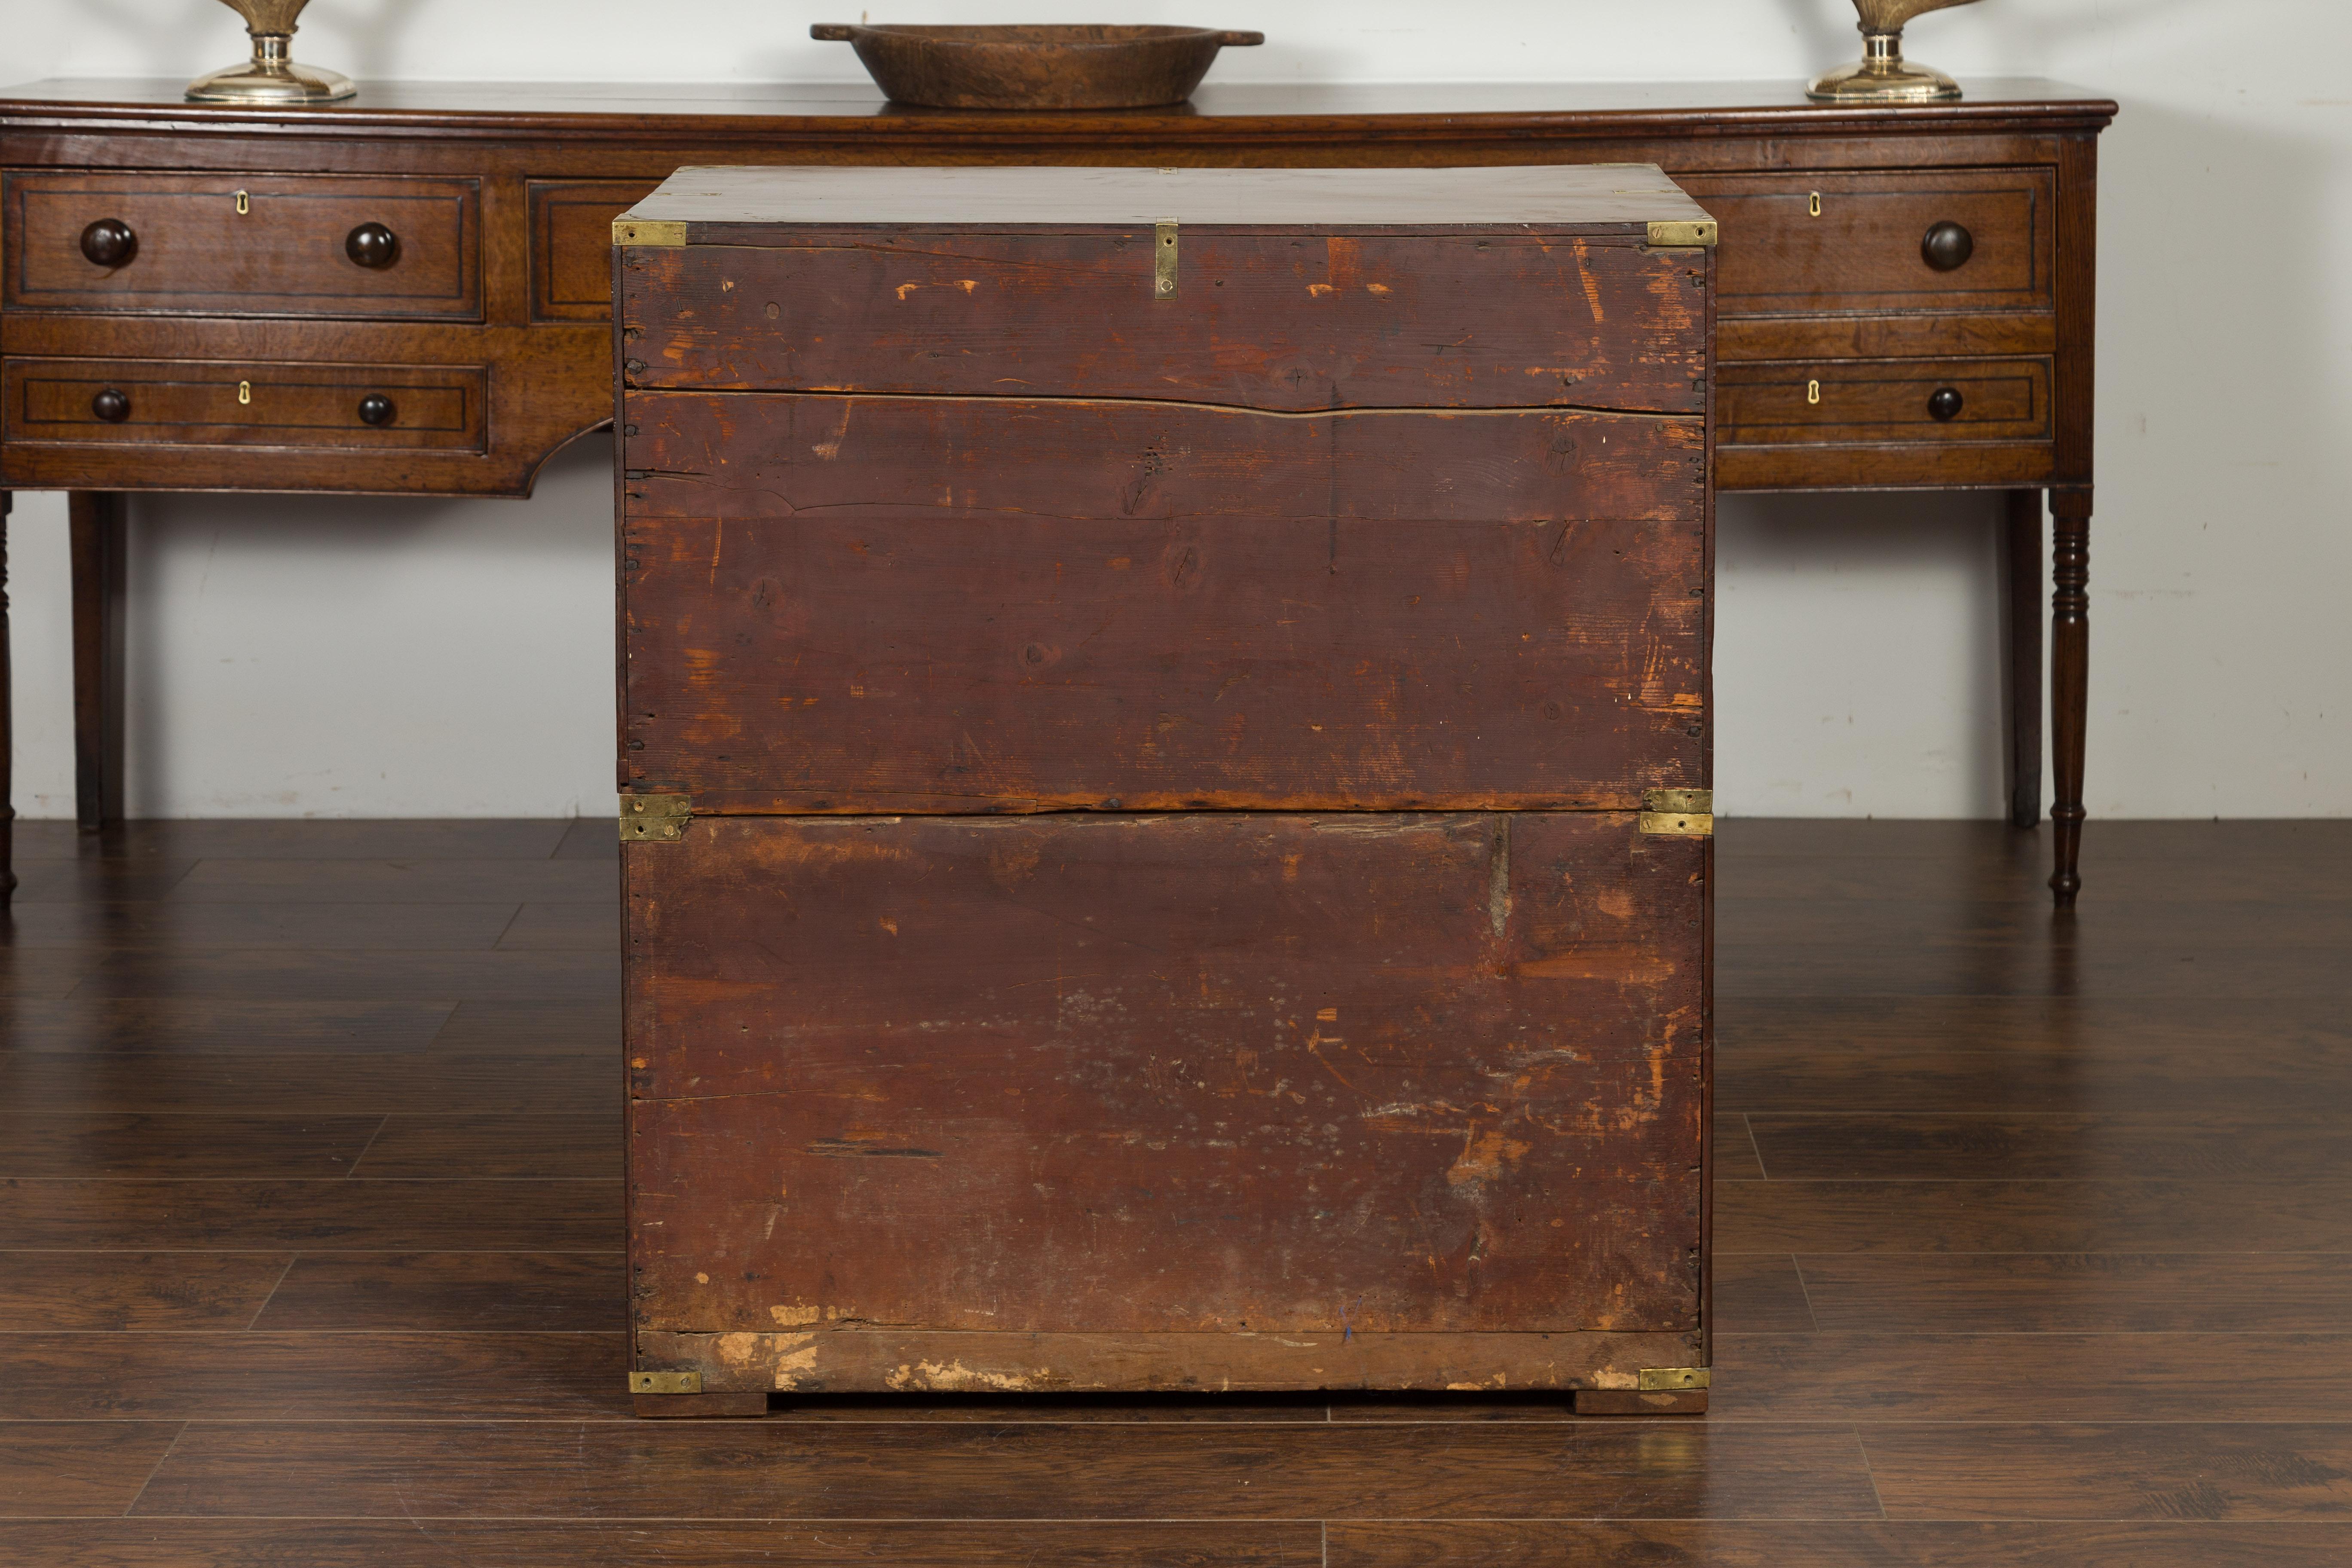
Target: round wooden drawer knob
372,245
109,242
1946,405
112,406
1948,246
377,409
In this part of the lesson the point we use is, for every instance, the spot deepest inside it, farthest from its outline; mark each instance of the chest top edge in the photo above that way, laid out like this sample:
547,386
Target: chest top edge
1599,197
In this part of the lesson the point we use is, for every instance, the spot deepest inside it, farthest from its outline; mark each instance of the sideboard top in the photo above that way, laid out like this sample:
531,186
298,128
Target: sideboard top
1243,110
1549,196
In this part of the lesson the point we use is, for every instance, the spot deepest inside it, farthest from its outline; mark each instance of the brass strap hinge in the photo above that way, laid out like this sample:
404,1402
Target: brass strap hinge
654,818
1698,231
692,1382
1663,1379
655,231
1687,813
1163,259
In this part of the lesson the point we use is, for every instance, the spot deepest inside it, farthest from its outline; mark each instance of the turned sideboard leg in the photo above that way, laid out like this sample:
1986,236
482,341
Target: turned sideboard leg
99,544
2070,693
8,725
2020,615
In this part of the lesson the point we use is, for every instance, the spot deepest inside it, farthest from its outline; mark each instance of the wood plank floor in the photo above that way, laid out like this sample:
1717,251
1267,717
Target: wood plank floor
2034,1242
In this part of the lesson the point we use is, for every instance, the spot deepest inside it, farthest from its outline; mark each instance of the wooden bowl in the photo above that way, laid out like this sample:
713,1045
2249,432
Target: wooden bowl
1035,67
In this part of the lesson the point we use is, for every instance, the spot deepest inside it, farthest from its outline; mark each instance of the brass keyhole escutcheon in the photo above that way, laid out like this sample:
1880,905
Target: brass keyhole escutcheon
1813,393
244,392
244,204
1815,205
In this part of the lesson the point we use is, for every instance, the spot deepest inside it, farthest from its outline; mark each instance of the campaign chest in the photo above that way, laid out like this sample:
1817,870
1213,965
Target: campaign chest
1165,738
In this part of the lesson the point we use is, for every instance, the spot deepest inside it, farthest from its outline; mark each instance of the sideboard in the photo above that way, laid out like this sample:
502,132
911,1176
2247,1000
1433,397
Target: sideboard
409,293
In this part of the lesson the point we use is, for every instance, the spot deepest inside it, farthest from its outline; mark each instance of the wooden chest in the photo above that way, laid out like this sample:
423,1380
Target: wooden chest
1165,732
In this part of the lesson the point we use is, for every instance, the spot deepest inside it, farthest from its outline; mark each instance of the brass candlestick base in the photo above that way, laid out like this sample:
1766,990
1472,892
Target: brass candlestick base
271,75
1883,74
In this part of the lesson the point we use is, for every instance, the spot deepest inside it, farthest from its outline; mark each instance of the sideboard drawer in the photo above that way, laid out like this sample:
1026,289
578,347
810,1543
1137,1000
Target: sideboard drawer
1859,242
572,245
278,244
201,403
1884,400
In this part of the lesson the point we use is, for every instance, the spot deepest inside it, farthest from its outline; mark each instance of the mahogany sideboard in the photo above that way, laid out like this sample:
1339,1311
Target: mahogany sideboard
409,293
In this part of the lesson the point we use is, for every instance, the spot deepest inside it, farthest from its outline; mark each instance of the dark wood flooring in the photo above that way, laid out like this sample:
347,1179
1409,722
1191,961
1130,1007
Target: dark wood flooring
2034,1240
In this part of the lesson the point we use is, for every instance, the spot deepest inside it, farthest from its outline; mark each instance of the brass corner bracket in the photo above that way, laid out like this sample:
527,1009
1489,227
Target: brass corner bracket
1163,259
1664,1379
684,1382
654,818
1683,812
1701,231
648,231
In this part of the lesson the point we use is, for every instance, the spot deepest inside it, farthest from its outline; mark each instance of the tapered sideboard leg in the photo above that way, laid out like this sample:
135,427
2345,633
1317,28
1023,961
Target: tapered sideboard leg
2070,694
98,583
8,725
2020,606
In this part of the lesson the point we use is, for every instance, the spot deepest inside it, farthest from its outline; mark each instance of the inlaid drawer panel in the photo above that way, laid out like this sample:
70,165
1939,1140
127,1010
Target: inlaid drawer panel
1885,400
280,245
571,246
1861,243
199,403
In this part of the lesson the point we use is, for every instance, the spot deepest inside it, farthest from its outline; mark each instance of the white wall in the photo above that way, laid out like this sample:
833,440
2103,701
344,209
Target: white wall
352,657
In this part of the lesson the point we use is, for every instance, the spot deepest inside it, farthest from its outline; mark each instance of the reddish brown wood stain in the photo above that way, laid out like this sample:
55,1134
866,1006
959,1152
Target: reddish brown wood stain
1282,321
946,459
916,604
1264,981
1181,1074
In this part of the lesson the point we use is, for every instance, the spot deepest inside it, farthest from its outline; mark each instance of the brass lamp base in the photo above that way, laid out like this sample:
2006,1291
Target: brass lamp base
1883,76
271,76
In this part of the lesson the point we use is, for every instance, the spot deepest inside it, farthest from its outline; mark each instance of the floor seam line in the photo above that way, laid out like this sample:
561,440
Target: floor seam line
1805,1291
1869,1471
292,1259
506,928
161,1460
382,1122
